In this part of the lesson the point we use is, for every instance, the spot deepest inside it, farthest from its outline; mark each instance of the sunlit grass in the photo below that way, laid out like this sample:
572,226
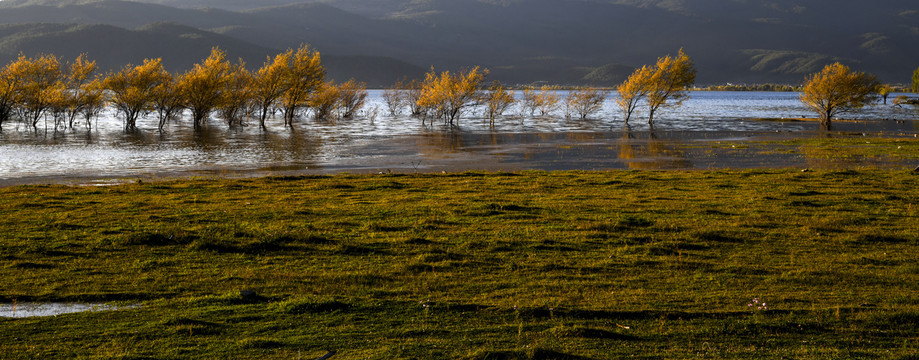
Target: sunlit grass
547,265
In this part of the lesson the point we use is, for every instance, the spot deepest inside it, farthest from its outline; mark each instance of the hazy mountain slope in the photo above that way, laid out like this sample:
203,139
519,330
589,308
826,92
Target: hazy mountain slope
543,40
179,46
112,47
232,5
126,14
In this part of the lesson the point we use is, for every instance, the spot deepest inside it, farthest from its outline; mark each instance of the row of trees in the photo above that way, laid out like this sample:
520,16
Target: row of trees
445,95
290,83
293,82
33,88
833,91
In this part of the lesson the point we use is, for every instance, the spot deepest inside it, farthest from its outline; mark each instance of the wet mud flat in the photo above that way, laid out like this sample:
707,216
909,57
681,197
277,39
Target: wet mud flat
458,151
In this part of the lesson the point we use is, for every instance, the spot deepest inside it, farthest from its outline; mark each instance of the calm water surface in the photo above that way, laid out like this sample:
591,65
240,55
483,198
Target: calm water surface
385,143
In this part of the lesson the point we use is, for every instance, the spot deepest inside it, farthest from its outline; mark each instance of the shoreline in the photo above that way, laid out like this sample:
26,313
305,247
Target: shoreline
640,150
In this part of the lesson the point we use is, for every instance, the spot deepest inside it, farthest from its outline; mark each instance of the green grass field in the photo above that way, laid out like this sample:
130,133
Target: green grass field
530,265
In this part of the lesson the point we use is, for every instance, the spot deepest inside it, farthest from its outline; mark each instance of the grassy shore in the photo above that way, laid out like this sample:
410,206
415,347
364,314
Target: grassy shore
531,265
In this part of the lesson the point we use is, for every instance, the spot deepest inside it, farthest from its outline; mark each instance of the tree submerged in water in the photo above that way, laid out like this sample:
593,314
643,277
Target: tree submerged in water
667,83
836,90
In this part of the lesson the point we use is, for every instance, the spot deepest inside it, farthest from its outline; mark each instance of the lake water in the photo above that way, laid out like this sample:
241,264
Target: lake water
400,143
25,310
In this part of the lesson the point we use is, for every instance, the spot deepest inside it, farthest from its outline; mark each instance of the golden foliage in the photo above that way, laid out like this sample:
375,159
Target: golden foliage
836,89
166,100
547,100
915,84
238,99
669,86
447,94
633,90
202,87
8,95
81,91
132,88
324,100
92,99
496,101
667,83
303,76
268,84
585,101
352,96
38,85
32,88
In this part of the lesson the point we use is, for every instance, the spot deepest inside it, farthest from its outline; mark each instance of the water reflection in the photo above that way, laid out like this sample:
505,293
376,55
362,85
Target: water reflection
402,142
25,310
650,153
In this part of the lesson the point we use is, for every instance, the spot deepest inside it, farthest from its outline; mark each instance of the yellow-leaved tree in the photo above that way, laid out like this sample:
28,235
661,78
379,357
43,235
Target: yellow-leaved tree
585,101
303,76
93,100
324,100
546,100
269,84
835,90
447,94
38,83
884,91
352,96
8,95
497,99
238,96
82,89
167,101
633,91
670,84
528,101
667,83
202,88
915,85
133,87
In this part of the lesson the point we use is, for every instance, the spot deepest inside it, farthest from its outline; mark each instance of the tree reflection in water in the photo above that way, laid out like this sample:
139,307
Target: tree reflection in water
651,153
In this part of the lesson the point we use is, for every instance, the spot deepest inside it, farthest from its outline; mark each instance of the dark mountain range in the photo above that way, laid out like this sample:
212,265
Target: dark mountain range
520,41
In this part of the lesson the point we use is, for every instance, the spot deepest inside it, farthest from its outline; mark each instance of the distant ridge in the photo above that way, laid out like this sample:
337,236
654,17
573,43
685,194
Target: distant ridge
520,41
179,46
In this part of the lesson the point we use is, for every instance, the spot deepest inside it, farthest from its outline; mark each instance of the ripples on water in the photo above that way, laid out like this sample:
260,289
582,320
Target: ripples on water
107,151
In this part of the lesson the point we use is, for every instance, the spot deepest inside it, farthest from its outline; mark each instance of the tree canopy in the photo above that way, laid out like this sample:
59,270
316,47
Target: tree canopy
836,89
915,86
446,94
667,83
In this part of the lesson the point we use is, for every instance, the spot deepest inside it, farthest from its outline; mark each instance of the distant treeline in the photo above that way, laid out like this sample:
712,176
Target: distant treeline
752,87
785,87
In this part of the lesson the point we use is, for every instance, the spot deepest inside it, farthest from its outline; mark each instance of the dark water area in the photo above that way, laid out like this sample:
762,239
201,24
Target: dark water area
698,135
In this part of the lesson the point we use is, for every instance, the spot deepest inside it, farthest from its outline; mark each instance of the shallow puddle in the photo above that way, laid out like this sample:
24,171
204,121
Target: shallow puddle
24,310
